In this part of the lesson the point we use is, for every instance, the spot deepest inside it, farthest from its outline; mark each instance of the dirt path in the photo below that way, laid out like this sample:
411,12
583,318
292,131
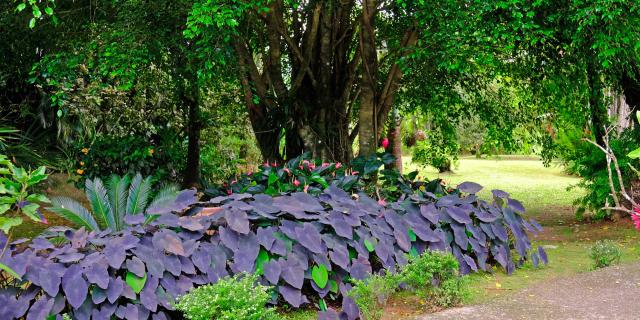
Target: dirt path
610,293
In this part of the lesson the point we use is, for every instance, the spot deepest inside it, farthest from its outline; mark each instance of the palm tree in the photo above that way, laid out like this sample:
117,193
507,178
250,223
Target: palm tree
110,204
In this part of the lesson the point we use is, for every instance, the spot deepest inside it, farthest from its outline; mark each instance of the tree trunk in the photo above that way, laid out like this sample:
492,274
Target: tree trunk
368,120
194,126
395,140
599,114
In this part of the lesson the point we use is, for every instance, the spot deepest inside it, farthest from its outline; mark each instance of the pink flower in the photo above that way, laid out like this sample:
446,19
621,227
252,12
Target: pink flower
287,171
382,202
296,182
306,187
635,217
354,173
338,165
250,173
266,164
312,166
229,192
325,164
385,143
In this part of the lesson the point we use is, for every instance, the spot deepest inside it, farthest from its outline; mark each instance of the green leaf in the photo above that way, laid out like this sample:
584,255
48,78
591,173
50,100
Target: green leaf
323,305
320,276
372,166
7,223
333,286
370,246
136,283
635,154
59,112
48,10
412,235
30,211
10,271
263,257
73,211
36,197
21,7
4,208
272,178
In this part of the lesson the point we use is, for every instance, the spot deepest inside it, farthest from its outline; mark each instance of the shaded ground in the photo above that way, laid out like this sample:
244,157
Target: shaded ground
604,294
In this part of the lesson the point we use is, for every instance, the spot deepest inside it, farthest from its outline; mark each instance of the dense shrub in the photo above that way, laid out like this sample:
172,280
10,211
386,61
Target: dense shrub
371,294
307,247
604,253
230,298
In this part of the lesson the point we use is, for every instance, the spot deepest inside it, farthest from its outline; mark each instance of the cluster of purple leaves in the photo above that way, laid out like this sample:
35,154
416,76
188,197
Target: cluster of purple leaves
307,247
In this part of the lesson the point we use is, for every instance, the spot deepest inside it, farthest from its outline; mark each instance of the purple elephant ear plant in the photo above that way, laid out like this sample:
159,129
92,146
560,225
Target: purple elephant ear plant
307,247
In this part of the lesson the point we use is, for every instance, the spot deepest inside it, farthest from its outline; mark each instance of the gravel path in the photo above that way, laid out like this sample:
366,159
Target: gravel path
610,293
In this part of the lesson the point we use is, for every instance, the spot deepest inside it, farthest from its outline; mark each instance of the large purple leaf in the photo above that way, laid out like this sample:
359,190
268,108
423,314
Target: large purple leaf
290,294
115,288
237,221
309,237
430,212
341,227
272,270
266,237
75,287
458,215
292,274
515,205
40,309
469,187
50,282
168,241
136,266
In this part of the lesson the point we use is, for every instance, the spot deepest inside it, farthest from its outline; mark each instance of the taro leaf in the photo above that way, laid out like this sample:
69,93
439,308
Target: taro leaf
229,238
237,221
515,205
425,233
360,269
309,237
350,308
172,264
290,294
327,314
136,283
74,286
460,235
98,295
272,270
403,239
292,274
459,215
148,297
201,259
320,275
341,227
430,212
190,223
535,260
499,194
266,237
469,187
40,309
115,289
499,231
543,255
50,282
340,256
136,266
70,257
485,216
168,241
245,256
535,224
470,262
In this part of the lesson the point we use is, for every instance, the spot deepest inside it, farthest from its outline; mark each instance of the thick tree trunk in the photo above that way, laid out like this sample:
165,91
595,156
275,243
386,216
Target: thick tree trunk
631,90
194,126
599,115
368,120
395,140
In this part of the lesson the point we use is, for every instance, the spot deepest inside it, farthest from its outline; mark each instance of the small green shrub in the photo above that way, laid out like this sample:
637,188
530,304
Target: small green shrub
372,293
605,253
237,298
436,274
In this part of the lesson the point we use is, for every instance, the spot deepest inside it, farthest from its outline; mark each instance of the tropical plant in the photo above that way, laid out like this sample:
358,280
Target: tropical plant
237,297
113,202
17,199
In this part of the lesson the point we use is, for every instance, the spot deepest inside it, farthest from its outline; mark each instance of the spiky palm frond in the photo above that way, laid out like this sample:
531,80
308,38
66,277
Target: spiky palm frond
73,211
100,205
165,196
139,192
117,190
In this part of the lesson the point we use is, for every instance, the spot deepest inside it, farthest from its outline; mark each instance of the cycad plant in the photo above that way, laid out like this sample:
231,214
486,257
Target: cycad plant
110,203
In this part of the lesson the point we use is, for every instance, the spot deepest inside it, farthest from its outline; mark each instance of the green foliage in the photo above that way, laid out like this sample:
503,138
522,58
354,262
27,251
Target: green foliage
591,165
16,193
436,275
236,298
604,253
438,150
372,293
111,202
